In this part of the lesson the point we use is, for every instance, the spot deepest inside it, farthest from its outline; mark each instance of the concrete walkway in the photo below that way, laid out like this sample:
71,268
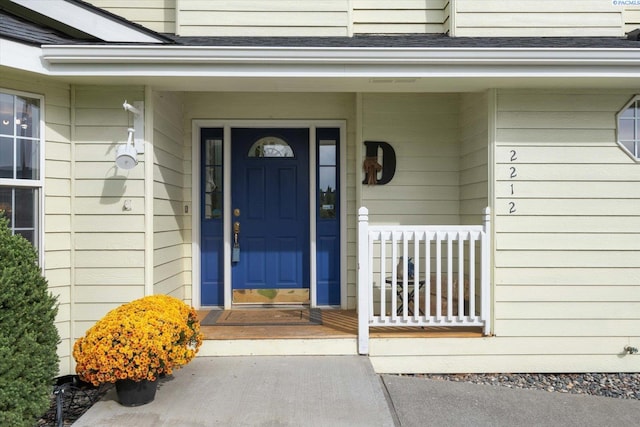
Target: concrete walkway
344,391
257,391
421,402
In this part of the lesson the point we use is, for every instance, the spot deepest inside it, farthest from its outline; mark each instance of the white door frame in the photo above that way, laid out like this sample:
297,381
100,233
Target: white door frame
227,125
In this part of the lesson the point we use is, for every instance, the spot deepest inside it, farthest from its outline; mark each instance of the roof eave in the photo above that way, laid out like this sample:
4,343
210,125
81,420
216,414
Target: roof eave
78,60
91,21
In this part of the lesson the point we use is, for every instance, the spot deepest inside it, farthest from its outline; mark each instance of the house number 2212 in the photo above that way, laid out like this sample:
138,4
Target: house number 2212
513,173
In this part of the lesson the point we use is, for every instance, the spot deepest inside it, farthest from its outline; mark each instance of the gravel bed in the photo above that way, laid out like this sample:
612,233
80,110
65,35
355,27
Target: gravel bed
75,401
617,385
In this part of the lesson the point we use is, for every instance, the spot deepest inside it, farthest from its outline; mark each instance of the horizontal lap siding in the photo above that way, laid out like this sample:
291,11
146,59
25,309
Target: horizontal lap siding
423,131
474,172
263,18
542,18
566,293
171,238
157,15
567,218
504,354
399,16
57,195
631,17
109,242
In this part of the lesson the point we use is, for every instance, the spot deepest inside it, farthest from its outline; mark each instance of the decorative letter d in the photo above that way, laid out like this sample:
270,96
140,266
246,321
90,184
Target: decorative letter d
371,165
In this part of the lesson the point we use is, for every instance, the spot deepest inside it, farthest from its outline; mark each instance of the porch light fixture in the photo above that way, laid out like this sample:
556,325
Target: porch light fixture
127,153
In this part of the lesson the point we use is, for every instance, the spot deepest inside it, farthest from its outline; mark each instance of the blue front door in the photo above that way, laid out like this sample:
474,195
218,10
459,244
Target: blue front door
270,208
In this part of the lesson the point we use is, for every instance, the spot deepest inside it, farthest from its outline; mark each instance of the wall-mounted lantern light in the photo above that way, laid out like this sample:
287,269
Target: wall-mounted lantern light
127,153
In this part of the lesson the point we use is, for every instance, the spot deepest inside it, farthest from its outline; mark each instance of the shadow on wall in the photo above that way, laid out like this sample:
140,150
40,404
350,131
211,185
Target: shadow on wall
113,190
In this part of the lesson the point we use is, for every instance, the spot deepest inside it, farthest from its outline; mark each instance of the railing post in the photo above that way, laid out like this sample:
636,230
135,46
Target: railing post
363,281
486,268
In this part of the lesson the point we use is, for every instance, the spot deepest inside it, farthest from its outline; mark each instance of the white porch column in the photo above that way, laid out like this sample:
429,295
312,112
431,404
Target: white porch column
363,281
486,268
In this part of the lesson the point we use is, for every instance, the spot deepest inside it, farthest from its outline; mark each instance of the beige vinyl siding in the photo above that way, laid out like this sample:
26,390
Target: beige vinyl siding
109,242
423,129
170,238
263,18
566,257
474,168
287,106
57,195
631,17
399,16
506,354
157,15
541,18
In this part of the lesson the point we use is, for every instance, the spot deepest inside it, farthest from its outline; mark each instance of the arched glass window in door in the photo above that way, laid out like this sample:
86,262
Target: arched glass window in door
270,146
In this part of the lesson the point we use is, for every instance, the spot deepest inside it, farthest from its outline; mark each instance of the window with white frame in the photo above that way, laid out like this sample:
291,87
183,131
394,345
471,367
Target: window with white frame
629,127
21,161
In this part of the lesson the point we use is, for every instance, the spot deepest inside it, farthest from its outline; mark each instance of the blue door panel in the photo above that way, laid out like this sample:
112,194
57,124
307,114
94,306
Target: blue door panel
255,187
256,270
326,247
287,206
288,261
211,259
271,194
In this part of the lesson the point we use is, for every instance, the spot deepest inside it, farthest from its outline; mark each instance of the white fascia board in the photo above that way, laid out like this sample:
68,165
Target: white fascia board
87,21
21,56
77,60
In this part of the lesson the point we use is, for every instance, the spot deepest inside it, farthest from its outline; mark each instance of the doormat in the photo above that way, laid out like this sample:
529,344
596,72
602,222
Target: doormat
267,317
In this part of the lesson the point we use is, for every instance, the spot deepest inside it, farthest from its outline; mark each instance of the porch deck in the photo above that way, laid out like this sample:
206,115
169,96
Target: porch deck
337,334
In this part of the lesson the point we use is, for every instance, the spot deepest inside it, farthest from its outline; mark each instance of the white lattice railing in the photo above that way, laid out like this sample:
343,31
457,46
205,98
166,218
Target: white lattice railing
447,280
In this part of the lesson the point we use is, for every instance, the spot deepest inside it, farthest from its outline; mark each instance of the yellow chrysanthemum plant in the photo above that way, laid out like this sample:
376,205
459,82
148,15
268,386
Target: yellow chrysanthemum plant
139,341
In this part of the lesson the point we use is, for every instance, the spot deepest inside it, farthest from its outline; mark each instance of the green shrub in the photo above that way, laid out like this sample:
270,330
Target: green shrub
28,336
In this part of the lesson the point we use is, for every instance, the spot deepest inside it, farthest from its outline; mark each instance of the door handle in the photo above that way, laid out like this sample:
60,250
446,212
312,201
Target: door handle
235,253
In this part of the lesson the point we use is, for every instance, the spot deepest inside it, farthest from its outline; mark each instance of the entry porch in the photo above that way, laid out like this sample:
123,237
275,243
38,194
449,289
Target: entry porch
393,308
336,335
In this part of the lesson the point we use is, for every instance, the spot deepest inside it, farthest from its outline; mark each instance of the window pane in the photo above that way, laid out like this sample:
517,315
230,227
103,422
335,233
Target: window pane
27,117
213,178
6,206
629,113
626,129
6,157
327,192
629,145
27,234
327,153
213,192
6,114
25,207
27,159
213,152
270,146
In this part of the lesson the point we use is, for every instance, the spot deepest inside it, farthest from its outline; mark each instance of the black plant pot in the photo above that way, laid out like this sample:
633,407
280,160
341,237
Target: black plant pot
135,393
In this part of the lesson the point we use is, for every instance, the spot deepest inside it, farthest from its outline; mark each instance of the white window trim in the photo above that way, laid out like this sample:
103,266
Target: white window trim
34,183
634,156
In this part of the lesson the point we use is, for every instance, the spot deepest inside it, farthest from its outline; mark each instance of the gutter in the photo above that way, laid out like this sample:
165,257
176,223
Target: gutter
81,60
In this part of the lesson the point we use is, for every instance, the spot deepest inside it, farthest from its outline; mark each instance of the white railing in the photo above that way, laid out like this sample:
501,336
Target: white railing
447,280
